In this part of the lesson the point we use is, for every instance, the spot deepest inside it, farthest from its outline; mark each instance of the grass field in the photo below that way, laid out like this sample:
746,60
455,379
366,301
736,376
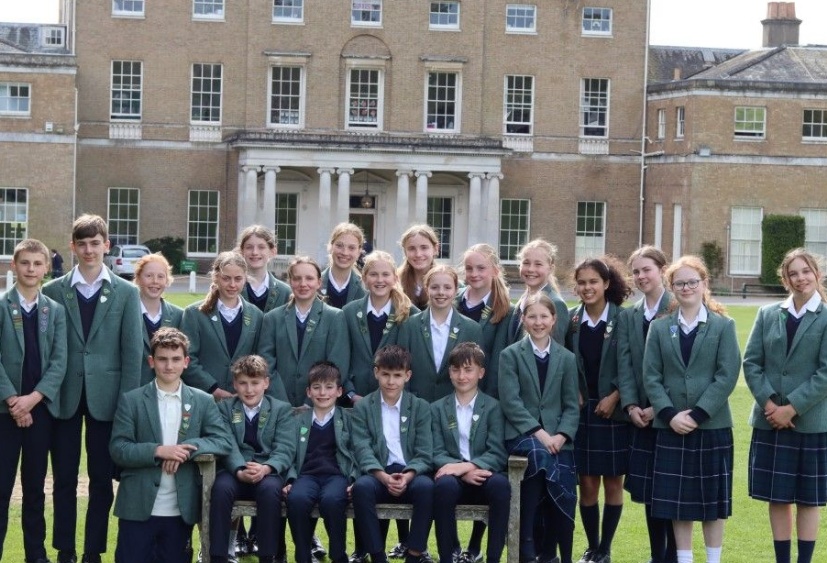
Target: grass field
747,538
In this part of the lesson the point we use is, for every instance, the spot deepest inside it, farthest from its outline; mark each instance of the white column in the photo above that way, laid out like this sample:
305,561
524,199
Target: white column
267,211
422,195
403,190
242,190
474,207
248,200
494,208
343,202
324,213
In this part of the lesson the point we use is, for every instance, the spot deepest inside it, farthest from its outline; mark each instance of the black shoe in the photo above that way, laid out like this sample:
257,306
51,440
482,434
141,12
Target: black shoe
602,558
67,557
423,557
91,558
358,558
252,545
588,556
317,550
469,557
398,551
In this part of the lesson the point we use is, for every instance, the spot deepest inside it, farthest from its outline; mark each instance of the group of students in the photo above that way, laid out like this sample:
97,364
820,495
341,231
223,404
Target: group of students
444,382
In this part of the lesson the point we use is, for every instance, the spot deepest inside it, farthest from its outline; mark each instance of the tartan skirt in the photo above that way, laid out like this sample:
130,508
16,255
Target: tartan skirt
601,446
788,467
561,478
692,479
641,463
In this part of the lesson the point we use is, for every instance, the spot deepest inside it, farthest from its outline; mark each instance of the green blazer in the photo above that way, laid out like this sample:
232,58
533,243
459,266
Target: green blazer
279,293
797,378
324,339
210,358
136,432
486,443
526,407
426,381
369,446
51,338
607,379
630,346
561,326
360,379
170,317
355,289
705,382
342,428
494,340
108,364
275,435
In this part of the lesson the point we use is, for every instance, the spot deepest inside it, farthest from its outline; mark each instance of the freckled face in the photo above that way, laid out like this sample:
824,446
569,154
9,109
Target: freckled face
153,280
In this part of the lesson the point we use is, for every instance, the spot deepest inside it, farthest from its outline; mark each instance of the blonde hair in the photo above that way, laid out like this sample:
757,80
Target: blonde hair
541,299
297,261
407,276
400,302
815,263
441,269
697,264
156,258
260,231
227,258
549,251
345,229
499,288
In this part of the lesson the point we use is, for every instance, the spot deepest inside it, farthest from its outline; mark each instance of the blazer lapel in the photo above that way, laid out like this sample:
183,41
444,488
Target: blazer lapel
611,321
675,336
237,420
70,301
45,322
273,294
105,299
404,422
362,321
218,328
703,329
449,408
166,314
389,324
247,330
479,411
16,312
263,415
289,314
453,334
150,400
376,410
305,425
637,325
186,413
314,319
527,356
808,319
576,322
553,365
425,328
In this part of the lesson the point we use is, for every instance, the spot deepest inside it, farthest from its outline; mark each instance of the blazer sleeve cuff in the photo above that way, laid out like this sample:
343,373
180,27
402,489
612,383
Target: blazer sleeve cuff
666,415
699,415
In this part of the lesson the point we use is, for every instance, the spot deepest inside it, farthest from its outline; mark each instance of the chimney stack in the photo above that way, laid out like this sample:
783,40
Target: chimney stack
781,25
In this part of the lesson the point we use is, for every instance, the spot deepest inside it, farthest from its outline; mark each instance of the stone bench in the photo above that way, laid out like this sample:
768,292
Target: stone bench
516,469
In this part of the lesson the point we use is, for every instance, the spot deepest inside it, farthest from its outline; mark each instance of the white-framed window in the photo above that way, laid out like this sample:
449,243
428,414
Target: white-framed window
594,107
128,8
661,123
597,21
127,84
288,11
521,18
286,96
444,15
364,102
440,216
366,12
202,222
680,122
518,104
750,122
590,234
287,222
206,93
208,9
745,241
442,101
14,218
124,215
15,98
53,37
815,125
514,217
815,230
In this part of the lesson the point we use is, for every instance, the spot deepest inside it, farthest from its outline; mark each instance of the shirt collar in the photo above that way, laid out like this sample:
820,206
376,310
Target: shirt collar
163,394
338,287
469,405
79,279
250,412
604,316
483,300
326,418
702,317
650,313
155,318
447,320
386,310
222,308
541,352
385,403
27,305
811,305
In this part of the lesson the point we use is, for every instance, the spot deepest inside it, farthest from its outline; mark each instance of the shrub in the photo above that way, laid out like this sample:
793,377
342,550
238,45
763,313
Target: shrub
171,247
780,234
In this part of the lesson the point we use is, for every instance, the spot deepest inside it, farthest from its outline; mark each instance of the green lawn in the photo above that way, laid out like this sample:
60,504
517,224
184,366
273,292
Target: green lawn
747,538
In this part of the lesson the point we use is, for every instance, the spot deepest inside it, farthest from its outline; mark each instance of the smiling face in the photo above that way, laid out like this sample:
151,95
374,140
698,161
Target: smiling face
801,280
230,280
466,378
441,291
324,394
591,288
257,253
152,281
420,253
90,251
345,251
647,276
479,272
169,364
688,297
538,321
391,382
305,282
250,389
29,268
379,279
535,269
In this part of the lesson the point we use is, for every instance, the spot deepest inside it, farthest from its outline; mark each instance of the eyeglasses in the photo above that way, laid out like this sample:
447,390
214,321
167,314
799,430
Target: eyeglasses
681,285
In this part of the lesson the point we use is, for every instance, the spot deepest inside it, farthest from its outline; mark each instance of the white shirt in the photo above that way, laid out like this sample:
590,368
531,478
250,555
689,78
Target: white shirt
325,420
811,305
251,412
439,337
89,289
386,310
152,319
541,352
28,305
465,416
302,316
229,313
332,281
390,428
603,317
650,313
169,411
258,290
688,327
471,305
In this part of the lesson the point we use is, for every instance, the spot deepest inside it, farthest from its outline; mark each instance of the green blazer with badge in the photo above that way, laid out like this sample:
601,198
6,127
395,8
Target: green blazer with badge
278,296
108,363
797,377
706,381
526,407
427,381
210,359
355,289
360,379
171,316
325,338
486,443
275,435
51,339
136,432
369,446
342,427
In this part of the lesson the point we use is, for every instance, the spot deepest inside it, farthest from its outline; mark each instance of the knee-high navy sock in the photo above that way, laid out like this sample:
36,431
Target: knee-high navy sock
805,551
782,550
475,543
563,530
611,519
657,536
671,554
590,516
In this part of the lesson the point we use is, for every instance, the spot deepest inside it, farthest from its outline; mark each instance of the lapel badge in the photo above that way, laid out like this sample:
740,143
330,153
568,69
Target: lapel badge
359,315
404,419
214,318
475,418
673,330
187,407
236,416
103,299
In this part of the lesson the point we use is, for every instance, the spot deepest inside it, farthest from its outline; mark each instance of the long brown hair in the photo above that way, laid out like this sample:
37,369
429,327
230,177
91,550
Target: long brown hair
297,260
400,302
611,270
697,264
812,262
499,288
407,276
227,258
260,231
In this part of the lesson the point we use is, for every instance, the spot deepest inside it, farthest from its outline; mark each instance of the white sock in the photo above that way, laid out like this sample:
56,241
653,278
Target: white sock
713,554
684,556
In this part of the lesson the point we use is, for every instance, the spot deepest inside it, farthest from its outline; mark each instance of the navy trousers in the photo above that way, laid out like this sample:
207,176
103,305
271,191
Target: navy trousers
330,493
165,537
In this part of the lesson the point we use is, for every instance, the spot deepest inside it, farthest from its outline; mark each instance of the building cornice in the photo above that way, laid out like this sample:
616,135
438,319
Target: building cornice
733,85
